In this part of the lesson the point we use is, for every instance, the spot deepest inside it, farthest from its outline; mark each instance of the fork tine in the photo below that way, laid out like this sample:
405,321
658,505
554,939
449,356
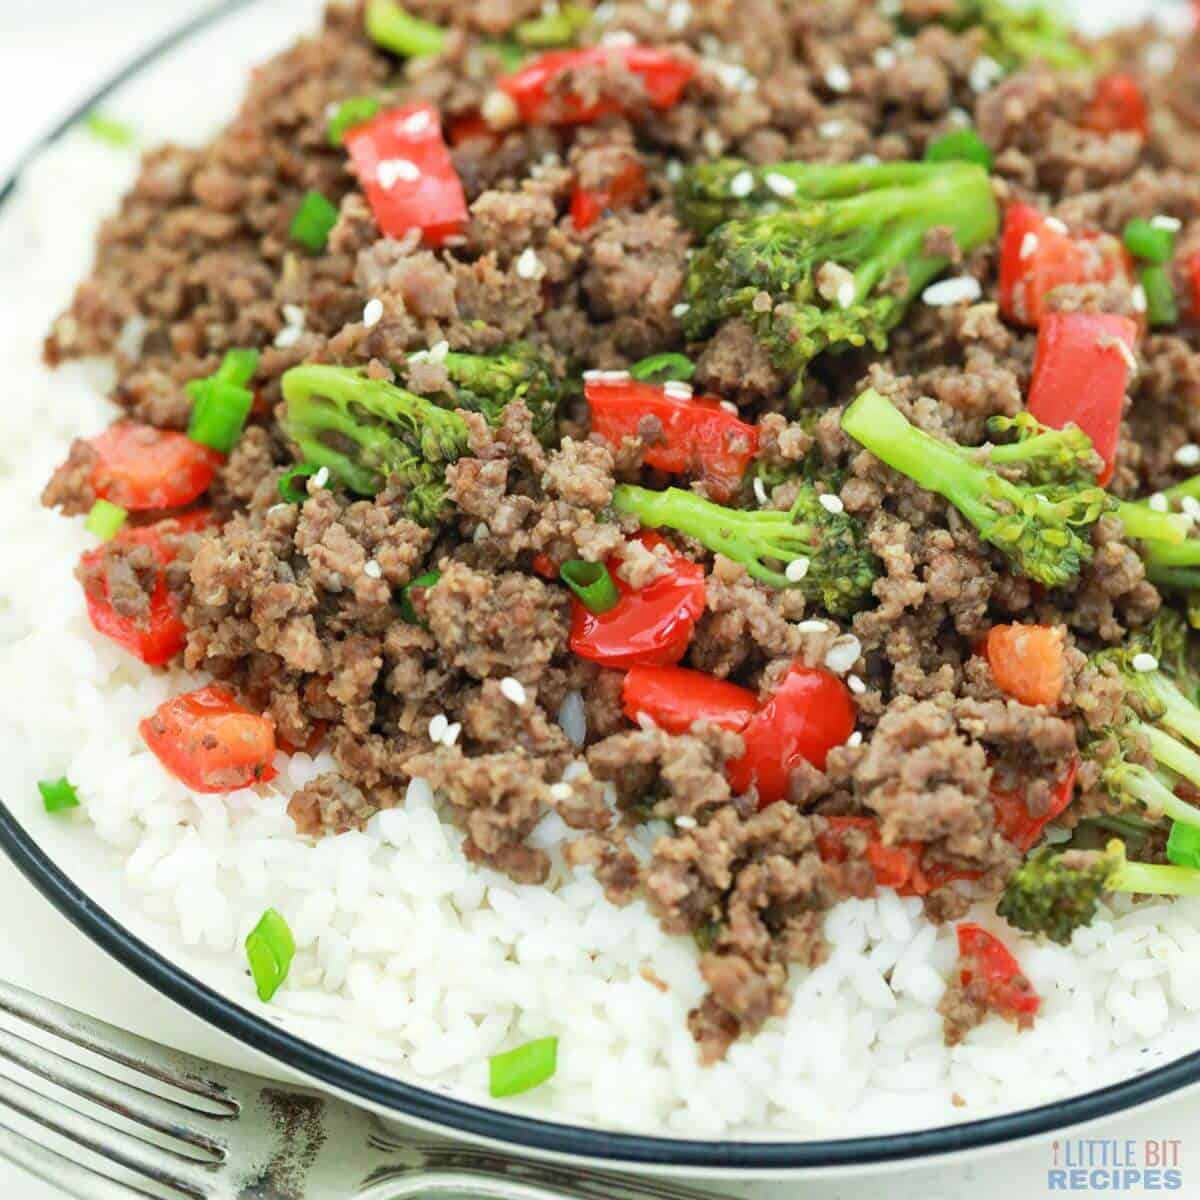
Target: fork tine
152,1162
171,1067
60,1172
124,1099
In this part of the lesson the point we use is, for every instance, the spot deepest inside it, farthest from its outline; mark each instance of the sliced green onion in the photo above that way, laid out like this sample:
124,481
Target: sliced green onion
389,26
358,110
407,609
105,519
553,28
238,367
1161,308
1149,243
108,129
592,583
58,795
270,949
1183,846
314,222
659,368
522,1069
291,491
219,413
962,145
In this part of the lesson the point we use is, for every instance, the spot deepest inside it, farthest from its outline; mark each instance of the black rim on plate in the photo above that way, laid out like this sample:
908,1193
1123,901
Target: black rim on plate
513,1129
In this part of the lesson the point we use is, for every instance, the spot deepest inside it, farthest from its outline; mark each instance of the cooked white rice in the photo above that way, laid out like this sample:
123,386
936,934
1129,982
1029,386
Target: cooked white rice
416,961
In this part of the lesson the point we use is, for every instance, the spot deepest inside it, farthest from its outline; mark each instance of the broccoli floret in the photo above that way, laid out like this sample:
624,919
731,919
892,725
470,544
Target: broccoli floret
1019,34
838,270
488,383
824,554
1056,893
369,433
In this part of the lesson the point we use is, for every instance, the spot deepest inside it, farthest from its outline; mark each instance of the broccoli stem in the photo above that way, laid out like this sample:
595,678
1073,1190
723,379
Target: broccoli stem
1143,786
389,26
1178,714
1150,879
1142,523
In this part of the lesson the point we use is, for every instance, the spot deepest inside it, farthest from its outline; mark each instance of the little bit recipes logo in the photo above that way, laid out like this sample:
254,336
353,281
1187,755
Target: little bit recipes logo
1116,1166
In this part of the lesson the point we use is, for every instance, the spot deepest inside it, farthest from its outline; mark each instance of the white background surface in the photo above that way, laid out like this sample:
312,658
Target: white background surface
52,53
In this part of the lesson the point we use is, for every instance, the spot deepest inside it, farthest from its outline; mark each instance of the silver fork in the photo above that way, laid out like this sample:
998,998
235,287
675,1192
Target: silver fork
227,1135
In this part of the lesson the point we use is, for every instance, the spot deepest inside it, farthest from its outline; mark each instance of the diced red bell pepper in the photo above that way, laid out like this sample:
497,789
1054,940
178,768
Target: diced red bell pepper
650,626
544,95
467,127
209,742
140,467
1028,662
676,698
981,954
161,635
810,714
545,566
1193,269
896,867
687,435
623,191
1080,375
1013,818
1118,106
405,169
1037,256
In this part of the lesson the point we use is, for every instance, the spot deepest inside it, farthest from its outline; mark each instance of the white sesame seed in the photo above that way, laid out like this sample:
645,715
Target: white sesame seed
529,266
619,38
1144,662
832,504
1191,507
885,58
812,627
1029,245
831,129
451,734
674,170
561,791
868,160
1137,298
679,16
372,313
730,407
392,171
1188,455
856,685
742,184
781,185
646,721
499,110
416,123
797,569
372,569
438,351
1056,225
964,289
855,739
1128,355
760,491
837,78
321,478
1170,224
293,314
482,533
437,727
843,654
288,336
959,115
712,141
846,293
681,310
1158,503
676,389
984,72
513,690
734,76
685,822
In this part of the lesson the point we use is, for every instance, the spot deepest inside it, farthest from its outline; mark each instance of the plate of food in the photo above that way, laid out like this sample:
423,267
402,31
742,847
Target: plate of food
621,579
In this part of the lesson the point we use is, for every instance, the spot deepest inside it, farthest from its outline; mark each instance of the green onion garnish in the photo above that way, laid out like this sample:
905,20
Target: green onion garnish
270,949
238,367
58,795
358,110
962,145
659,368
105,519
592,583
1161,308
524,1068
553,28
1146,241
108,129
292,491
389,26
407,610
313,222
219,413
1183,846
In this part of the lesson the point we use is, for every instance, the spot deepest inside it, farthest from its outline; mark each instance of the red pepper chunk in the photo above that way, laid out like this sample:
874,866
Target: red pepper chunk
160,635
649,626
1193,270
897,867
684,435
676,698
1017,823
140,467
405,169
1118,106
984,957
1080,375
545,93
209,742
624,190
810,714
1037,256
